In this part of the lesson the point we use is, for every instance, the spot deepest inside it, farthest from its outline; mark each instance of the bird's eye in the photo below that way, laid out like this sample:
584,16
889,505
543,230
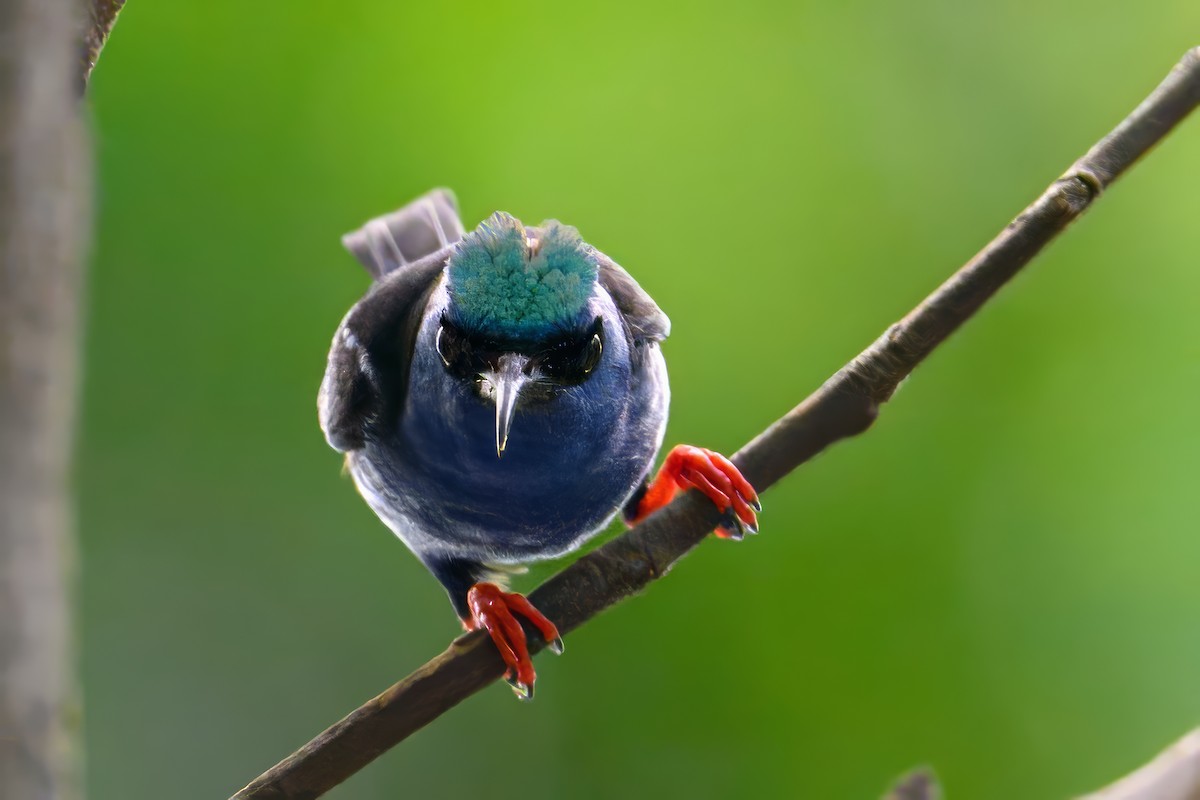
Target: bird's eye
455,350
573,359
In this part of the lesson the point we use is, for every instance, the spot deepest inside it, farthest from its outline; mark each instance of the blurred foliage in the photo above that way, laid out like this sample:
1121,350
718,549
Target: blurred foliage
999,580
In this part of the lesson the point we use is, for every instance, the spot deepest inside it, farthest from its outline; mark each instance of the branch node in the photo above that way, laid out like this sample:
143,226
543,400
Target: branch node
1088,179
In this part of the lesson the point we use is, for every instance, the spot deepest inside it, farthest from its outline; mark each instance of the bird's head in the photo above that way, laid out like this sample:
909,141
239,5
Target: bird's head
517,322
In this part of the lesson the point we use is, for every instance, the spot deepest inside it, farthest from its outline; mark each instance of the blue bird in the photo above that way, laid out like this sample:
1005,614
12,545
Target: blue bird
500,396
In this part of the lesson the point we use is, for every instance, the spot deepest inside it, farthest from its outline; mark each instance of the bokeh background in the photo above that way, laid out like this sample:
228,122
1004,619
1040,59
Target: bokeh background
1002,579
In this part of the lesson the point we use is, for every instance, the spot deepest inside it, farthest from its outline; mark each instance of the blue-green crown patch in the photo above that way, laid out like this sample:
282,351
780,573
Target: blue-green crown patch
505,284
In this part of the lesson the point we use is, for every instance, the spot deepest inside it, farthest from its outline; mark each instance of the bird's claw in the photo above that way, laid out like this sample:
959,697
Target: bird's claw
494,610
733,528
523,691
688,467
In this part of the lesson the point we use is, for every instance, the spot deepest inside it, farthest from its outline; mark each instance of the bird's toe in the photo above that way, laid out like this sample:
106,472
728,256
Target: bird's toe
723,483
495,610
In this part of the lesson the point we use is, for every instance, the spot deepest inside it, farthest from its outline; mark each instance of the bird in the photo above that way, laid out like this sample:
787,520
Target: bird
500,396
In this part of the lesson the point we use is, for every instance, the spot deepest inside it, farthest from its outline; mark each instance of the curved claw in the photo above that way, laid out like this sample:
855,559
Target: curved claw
523,691
493,610
732,527
688,467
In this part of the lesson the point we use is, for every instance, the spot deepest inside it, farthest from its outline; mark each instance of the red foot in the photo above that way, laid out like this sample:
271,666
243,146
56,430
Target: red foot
690,467
492,609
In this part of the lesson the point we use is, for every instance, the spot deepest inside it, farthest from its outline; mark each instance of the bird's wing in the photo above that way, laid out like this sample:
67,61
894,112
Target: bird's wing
645,319
367,375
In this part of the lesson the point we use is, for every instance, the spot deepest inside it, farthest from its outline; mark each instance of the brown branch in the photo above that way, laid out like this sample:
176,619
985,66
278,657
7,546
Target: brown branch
845,405
44,226
102,15
44,192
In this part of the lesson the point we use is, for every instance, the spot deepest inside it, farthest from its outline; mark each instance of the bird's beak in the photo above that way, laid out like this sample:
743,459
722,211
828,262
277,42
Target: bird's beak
508,380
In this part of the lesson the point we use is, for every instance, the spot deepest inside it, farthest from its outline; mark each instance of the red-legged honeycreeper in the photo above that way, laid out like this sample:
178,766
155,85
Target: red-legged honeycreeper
500,396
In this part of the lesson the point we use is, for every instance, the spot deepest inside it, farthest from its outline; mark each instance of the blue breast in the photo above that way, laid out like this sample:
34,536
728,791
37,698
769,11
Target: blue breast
570,463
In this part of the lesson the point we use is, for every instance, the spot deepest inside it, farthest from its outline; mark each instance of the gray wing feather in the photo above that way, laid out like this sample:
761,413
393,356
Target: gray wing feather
645,319
366,377
394,240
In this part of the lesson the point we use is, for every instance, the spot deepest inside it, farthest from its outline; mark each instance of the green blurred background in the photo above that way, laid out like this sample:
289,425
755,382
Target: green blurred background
1000,579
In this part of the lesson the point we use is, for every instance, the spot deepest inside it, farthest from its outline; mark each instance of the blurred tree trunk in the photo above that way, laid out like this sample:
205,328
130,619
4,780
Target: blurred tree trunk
44,191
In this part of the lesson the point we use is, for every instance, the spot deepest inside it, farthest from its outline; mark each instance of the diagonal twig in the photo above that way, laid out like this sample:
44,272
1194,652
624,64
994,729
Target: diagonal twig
844,406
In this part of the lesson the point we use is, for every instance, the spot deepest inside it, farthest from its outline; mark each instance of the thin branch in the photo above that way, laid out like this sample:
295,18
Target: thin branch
102,15
1174,774
845,405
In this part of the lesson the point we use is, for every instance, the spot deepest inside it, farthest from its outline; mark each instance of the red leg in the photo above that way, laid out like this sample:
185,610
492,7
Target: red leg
688,467
493,610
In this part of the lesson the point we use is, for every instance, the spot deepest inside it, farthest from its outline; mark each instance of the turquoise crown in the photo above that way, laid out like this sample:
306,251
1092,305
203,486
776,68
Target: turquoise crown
505,284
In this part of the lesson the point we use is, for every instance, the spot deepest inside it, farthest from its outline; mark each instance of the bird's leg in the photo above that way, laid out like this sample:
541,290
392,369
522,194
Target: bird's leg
688,467
493,609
